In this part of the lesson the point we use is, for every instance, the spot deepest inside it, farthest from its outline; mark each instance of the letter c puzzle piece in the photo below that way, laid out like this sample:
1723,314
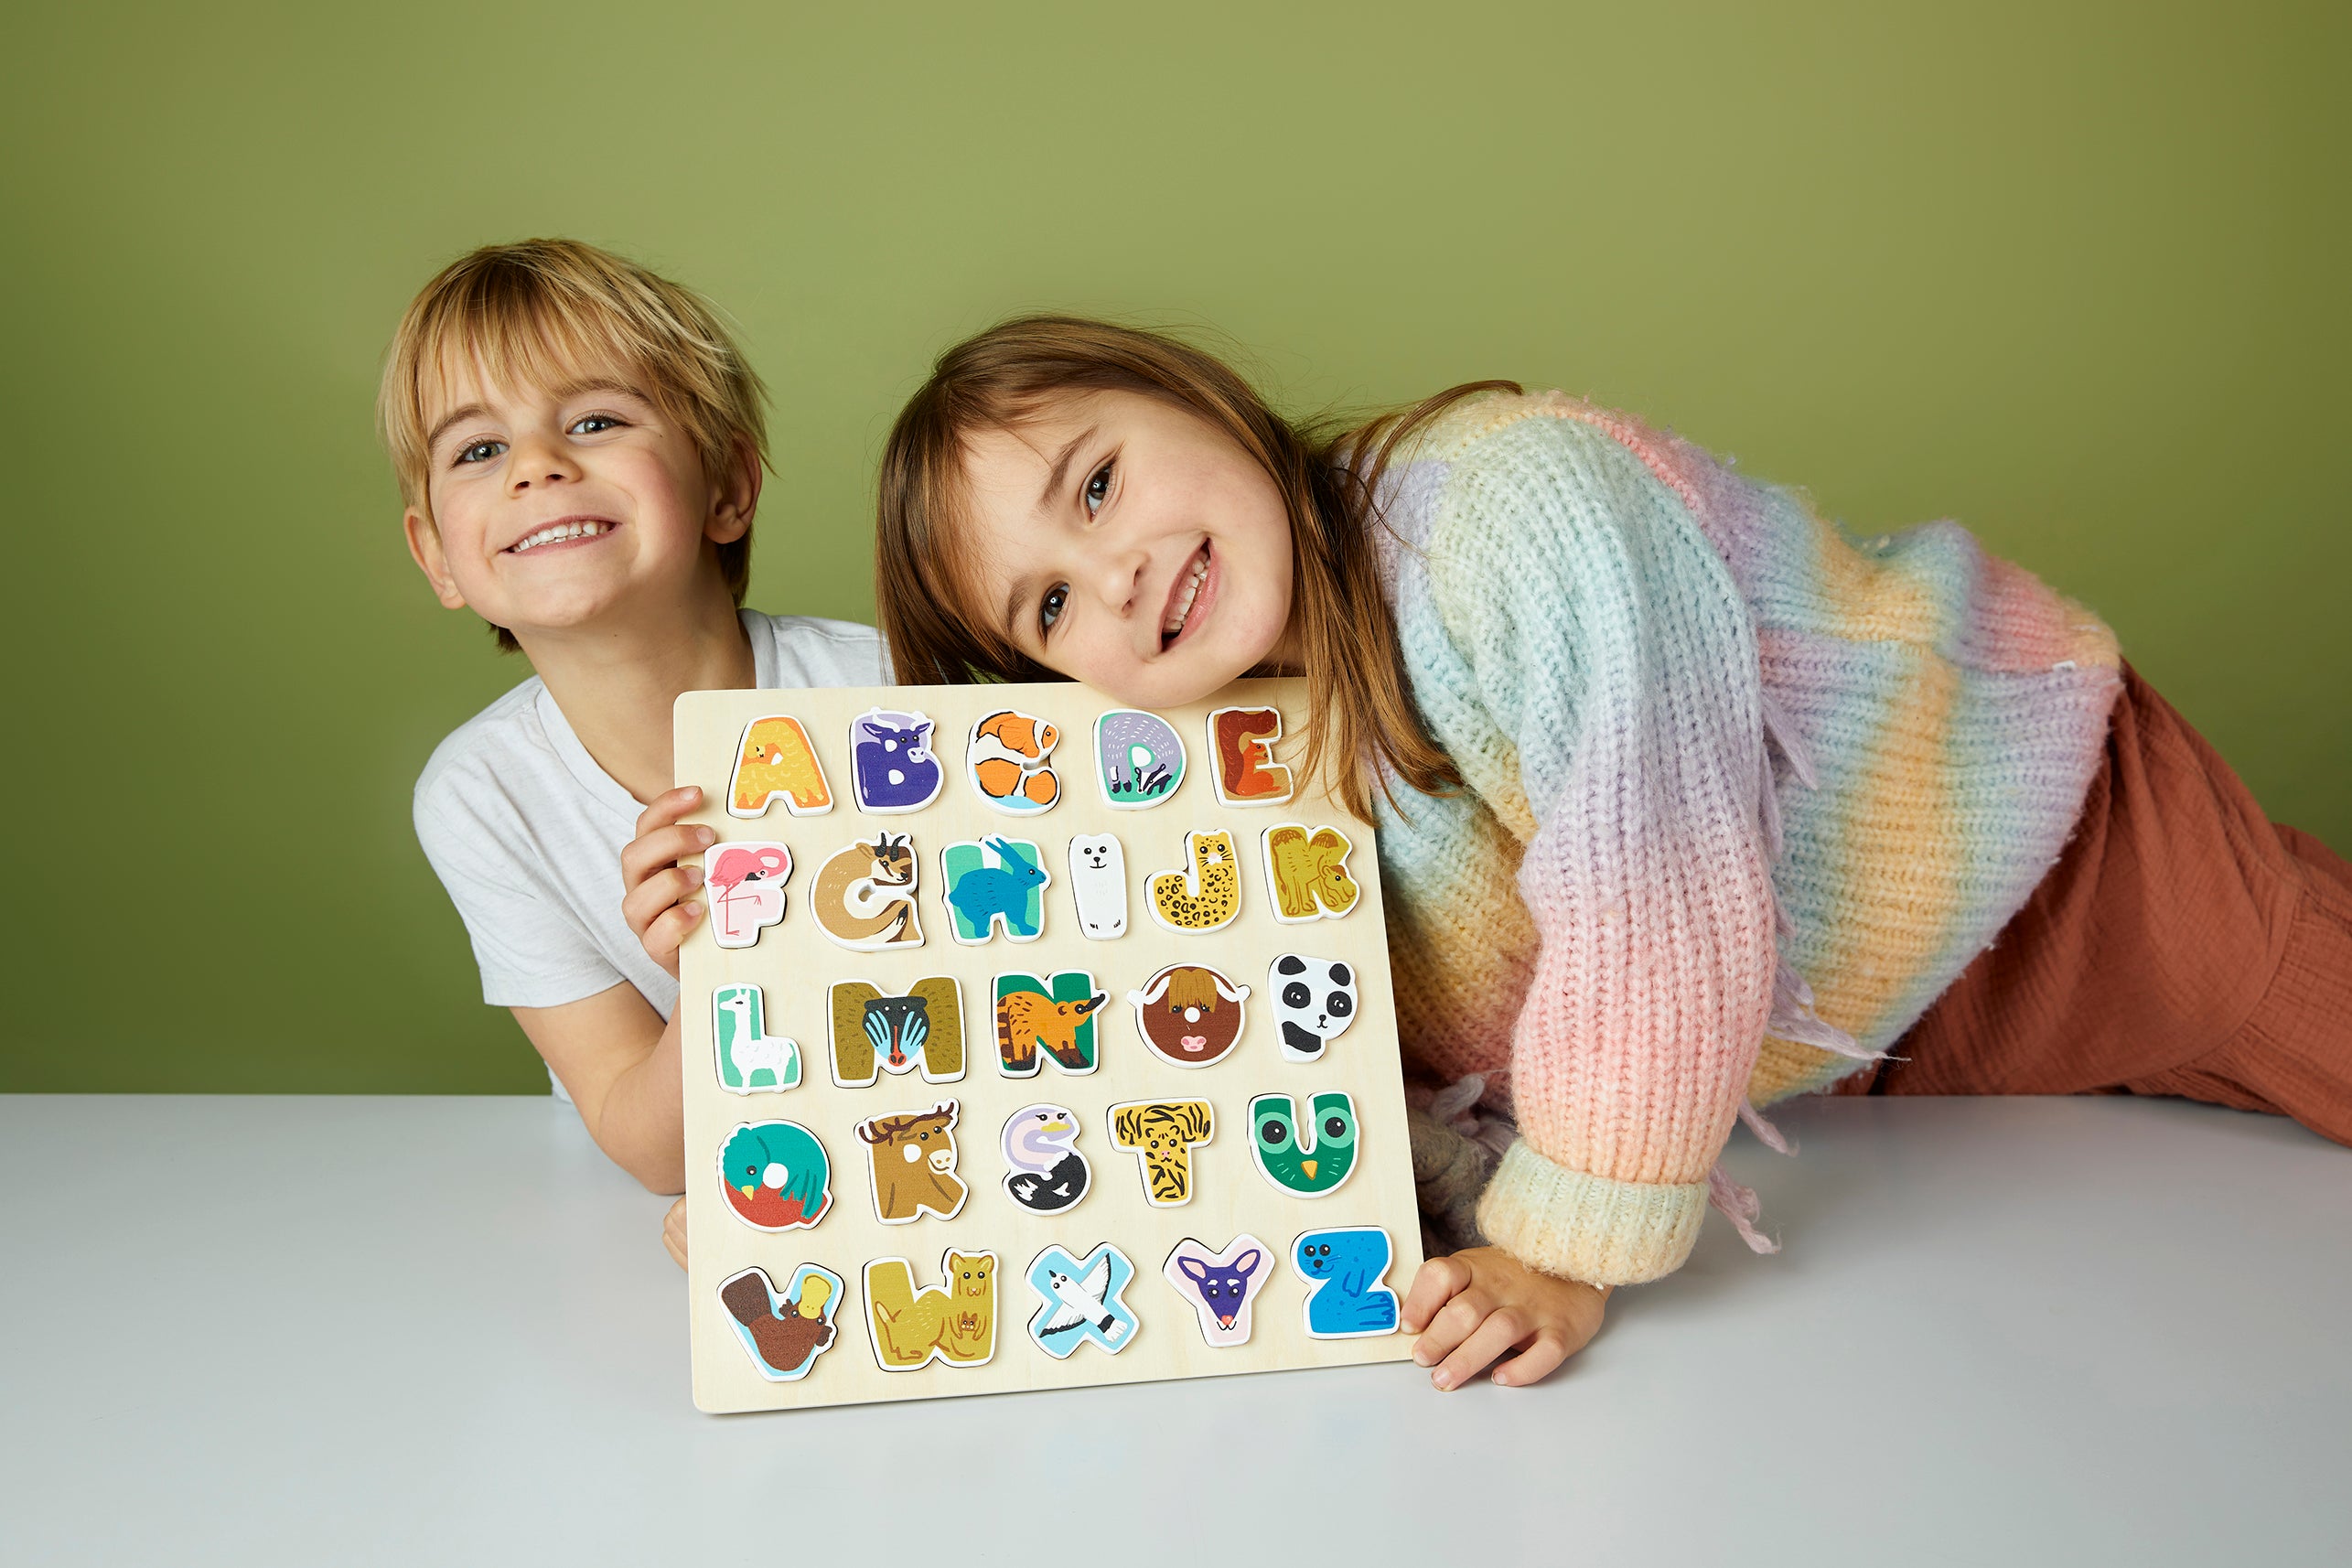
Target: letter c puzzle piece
784,1333
746,890
1079,1301
1162,1136
775,762
1007,760
1219,1286
1306,873
750,1059
1341,1270
1241,751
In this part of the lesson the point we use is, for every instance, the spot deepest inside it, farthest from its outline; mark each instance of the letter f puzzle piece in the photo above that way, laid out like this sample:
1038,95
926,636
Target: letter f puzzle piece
746,890
775,762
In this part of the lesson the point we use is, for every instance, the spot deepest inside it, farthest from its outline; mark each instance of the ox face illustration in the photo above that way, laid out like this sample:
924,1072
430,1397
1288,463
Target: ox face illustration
1189,1015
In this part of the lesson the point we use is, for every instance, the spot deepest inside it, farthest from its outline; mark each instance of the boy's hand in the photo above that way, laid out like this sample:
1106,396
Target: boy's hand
673,1233
1479,1304
655,886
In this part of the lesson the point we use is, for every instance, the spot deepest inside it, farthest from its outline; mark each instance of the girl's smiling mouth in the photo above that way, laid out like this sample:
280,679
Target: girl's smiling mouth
1189,598
563,531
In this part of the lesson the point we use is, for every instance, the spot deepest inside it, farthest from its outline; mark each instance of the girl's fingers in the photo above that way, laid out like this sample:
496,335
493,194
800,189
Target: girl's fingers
1437,1283
668,929
650,852
1455,1322
1537,1362
643,904
673,1233
666,808
1491,1339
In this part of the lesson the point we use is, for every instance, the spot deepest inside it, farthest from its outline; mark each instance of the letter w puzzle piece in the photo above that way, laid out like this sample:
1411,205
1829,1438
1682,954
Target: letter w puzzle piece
954,1322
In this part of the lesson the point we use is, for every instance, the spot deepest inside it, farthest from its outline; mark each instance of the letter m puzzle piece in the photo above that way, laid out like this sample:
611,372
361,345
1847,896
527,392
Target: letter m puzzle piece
775,762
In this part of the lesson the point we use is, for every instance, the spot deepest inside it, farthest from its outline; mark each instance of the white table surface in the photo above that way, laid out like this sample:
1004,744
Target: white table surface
262,1330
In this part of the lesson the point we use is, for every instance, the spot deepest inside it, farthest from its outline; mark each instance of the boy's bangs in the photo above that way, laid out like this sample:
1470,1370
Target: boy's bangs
518,343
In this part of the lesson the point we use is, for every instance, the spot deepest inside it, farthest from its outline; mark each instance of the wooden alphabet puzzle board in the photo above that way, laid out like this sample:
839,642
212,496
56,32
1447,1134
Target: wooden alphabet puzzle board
1031,1042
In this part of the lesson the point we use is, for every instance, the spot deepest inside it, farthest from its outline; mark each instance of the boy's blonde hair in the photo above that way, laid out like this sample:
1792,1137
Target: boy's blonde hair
532,311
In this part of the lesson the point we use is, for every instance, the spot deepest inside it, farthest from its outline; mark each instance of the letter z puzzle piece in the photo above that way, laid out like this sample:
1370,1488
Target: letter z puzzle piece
1219,1286
775,762
954,1322
1080,1301
1306,873
1138,759
775,1175
1205,893
750,1059
892,767
746,890
1241,749
1162,1136
783,1334
874,1033
1341,1270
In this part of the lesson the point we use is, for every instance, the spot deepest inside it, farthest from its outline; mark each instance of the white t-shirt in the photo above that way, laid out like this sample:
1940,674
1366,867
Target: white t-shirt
526,831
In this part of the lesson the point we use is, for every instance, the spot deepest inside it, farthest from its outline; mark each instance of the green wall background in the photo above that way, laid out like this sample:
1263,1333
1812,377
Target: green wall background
2074,275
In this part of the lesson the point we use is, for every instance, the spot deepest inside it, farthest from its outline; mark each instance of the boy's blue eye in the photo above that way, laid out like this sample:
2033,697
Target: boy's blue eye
582,427
1049,609
1097,490
481,451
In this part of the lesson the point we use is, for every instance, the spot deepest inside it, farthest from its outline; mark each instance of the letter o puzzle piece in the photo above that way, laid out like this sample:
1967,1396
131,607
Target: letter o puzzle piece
954,1322
994,884
1219,1286
913,1156
1241,757
864,895
1098,883
775,1175
1309,1156
1045,1170
775,762
1007,760
1189,1015
1048,1020
1138,759
1162,1135
1314,1001
1205,893
1306,873
891,767
750,1059
746,882
1341,1270
1080,1301
874,1033
784,1333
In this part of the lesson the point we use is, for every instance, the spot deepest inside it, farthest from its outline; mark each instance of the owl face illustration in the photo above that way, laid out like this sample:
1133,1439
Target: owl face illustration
1310,1153
1315,1000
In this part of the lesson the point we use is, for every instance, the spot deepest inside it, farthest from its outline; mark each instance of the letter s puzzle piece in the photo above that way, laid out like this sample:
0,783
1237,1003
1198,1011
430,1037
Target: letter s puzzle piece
775,762
954,1322
1079,1301
750,1059
1306,873
1341,1270
1138,759
1242,752
1205,893
1219,1286
892,767
874,1033
1045,1171
775,1175
784,1334
1310,1155
1162,1135
1007,760
746,890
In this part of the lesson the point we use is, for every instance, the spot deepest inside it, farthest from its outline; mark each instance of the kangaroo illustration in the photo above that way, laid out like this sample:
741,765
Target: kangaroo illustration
865,896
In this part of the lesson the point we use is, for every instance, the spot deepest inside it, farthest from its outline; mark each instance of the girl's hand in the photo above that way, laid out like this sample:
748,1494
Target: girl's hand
673,1233
1482,1304
655,886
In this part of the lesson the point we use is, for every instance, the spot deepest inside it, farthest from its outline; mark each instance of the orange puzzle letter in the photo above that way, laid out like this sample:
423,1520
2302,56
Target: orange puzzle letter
775,761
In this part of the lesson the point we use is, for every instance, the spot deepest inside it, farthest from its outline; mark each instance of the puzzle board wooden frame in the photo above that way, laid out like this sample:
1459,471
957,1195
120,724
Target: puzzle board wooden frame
795,964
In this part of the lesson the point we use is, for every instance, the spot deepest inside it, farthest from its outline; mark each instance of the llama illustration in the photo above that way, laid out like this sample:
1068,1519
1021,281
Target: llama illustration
746,1052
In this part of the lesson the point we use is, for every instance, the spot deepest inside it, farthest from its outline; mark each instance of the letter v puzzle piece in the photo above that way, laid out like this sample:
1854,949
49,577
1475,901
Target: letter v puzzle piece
1242,753
1219,1286
746,890
1306,873
750,1059
1205,893
783,1334
1341,1270
775,762
1079,1301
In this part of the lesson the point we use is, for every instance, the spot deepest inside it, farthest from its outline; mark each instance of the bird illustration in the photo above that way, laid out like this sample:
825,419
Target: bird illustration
775,1174
1311,1155
1081,1302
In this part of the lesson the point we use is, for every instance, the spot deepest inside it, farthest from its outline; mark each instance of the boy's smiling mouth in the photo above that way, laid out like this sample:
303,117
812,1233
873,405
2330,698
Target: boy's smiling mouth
1184,598
563,531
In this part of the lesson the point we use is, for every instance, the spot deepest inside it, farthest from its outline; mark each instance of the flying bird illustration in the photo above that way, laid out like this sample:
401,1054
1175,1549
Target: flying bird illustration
1081,1302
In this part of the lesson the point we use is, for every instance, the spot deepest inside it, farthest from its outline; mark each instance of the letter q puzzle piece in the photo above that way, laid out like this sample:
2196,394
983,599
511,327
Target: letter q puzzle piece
746,890
1219,1286
1341,1269
775,1175
1138,759
750,1059
892,767
775,762
1242,752
1306,873
783,1334
1079,1301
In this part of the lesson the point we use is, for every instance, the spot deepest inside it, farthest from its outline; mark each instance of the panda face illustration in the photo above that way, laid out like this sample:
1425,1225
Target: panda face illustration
1315,1000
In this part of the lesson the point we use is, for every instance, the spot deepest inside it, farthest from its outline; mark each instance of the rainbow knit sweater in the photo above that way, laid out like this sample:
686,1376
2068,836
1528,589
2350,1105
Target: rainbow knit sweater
1743,797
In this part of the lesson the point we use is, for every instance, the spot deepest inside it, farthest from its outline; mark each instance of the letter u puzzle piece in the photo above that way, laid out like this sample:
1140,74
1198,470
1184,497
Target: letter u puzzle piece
1307,1156
775,762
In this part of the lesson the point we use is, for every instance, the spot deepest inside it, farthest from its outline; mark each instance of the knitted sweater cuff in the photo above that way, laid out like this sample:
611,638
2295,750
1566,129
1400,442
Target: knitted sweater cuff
1588,1228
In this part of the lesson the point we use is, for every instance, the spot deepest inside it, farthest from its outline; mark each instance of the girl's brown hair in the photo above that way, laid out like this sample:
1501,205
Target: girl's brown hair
1328,474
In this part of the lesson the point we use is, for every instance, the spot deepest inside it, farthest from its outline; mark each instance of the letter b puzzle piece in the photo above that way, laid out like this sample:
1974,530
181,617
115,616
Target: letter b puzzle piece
775,762
1162,1135
891,767
1306,873
750,1059
1240,746
1341,1270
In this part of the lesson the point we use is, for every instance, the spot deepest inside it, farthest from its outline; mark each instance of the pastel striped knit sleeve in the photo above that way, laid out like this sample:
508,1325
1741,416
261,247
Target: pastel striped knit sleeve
1606,705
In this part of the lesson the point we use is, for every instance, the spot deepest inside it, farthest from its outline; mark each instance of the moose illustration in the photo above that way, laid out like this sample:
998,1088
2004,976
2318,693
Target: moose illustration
913,1164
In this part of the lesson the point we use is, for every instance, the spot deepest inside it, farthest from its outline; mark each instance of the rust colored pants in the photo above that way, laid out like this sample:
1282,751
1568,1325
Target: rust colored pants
2183,944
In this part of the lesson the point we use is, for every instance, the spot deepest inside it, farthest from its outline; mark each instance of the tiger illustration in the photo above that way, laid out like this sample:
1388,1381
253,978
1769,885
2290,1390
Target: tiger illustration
1207,893
1027,1020
1163,1134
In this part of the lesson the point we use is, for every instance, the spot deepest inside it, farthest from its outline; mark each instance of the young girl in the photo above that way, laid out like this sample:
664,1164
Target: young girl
1687,802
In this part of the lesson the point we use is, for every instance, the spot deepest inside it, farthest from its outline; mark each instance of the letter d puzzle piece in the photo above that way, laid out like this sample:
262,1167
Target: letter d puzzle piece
954,1322
1080,1301
1342,1269
750,1059
1219,1286
746,890
784,1334
1138,759
775,762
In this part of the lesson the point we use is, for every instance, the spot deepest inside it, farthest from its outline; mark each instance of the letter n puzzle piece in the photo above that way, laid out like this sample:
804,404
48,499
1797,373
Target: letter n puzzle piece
775,762
1242,746
750,1059
1342,1269
783,1332
1162,1135
1205,893
1306,873
1219,1286
746,890
1079,1301
1047,1020
874,1033
954,1322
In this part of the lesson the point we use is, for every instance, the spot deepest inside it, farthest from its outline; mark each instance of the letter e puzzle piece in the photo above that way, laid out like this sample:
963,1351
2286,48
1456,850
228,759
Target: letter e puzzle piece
1162,1135
783,1334
1242,752
1079,1301
775,762
1341,1270
1219,1286
954,1322
750,1059
874,1033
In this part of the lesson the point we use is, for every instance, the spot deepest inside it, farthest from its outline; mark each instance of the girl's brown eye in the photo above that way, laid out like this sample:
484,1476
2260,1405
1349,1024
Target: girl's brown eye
1097,490
1051,608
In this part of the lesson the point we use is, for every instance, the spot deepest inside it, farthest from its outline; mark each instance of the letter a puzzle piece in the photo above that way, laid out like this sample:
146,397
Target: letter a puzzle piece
1306,873
775,762
1242,752
750,1059
1162,1136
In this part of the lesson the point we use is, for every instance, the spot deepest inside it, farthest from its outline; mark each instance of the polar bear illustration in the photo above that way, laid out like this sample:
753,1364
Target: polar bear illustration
1098,876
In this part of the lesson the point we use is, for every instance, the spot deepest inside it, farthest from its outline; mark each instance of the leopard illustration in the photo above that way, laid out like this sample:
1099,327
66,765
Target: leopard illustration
1207,893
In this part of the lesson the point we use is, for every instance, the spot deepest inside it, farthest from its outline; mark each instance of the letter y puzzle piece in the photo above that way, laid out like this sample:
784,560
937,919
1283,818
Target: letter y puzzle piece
1219,1286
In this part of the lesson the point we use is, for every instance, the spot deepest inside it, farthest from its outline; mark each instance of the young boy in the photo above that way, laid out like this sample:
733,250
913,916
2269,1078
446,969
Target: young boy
580,445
